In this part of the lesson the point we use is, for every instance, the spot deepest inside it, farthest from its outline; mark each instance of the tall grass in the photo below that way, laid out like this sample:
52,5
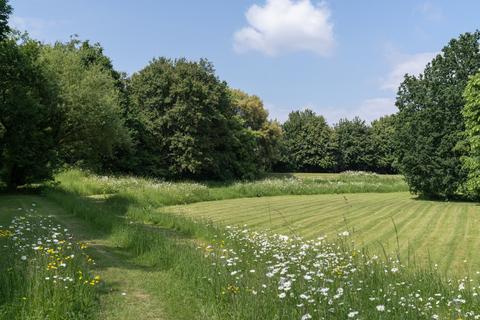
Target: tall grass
161,193
44,273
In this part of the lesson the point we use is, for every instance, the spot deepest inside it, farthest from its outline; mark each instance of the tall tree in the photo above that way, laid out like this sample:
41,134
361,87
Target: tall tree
255,117
354,147
307,142
429,123
91,123
5,11
28,110
186,123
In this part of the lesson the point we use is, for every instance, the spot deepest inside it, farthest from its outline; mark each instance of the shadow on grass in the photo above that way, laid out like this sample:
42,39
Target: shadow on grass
123,231
439,198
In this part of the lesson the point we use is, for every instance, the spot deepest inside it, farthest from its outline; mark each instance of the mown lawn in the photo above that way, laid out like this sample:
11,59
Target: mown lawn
447,232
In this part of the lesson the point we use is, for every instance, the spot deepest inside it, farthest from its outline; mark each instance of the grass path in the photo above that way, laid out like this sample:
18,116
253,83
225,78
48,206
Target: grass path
445,231
132,290
126,295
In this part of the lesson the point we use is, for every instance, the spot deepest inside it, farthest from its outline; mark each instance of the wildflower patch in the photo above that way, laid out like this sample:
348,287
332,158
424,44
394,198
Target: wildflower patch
45,273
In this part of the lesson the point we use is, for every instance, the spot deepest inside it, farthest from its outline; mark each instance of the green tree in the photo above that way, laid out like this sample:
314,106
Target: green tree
429,123
186,124
28,110
307,142
250,108
354,150
5,11
91,123
255,118
471,114
121,158
382,144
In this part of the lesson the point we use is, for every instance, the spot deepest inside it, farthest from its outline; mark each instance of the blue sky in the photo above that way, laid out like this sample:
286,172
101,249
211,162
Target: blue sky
340,58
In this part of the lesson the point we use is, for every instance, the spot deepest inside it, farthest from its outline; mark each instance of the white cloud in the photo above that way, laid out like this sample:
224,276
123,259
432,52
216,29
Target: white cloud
412,64
286,26
34,26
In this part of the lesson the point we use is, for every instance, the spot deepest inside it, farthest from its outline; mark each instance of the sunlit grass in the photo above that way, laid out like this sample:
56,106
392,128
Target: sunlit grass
242,274
161,193
444,232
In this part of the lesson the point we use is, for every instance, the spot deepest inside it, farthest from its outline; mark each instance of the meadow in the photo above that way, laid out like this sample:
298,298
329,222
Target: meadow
285,247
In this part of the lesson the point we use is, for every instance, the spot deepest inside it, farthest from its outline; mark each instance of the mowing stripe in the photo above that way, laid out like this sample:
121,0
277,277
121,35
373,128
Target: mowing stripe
444,230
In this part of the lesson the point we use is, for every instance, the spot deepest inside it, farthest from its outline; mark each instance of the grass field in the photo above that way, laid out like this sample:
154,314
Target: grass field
159,255
447,231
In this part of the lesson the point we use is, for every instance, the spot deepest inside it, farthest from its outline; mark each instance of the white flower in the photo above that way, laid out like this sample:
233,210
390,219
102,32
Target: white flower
380,307
394,270
352,314
23,258
282,295
306,316
344,234
461,286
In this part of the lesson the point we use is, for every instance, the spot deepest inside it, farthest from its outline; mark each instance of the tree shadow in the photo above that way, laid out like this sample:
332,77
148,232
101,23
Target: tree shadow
455,199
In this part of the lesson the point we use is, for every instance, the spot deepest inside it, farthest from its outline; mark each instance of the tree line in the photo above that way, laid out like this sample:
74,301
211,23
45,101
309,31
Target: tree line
309,144
65,104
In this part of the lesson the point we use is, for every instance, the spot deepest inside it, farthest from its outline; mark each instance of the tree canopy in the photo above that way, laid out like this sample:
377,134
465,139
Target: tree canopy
5,11
307,142
187,125
429,122
91,122
382,144
353,145
267,133
28,110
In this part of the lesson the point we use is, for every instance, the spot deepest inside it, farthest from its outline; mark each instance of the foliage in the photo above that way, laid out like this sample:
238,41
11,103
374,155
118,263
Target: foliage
28,112
471,114
250,109
307,142
186,125
5,11
382,144
267,133
91,123
354,150
429,123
